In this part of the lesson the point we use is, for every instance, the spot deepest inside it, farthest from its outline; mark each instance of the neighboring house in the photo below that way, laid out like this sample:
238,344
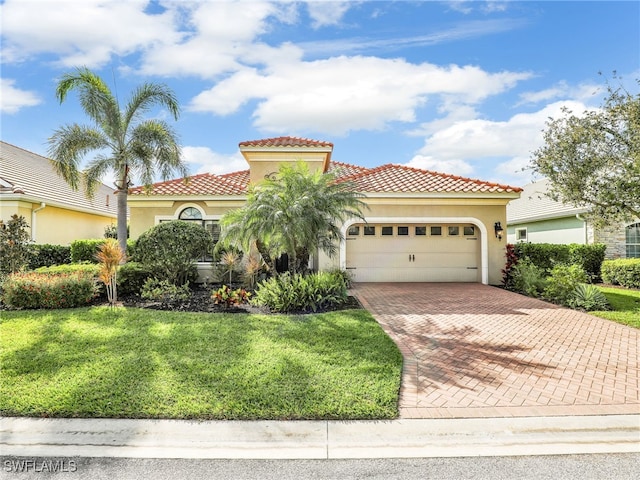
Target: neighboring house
421,226
56,213
536,218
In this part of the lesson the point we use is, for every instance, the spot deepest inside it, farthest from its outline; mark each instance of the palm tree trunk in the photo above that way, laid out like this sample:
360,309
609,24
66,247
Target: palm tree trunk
122,195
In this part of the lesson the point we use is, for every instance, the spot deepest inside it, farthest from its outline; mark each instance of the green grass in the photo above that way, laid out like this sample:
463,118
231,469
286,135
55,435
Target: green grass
135,363
625,306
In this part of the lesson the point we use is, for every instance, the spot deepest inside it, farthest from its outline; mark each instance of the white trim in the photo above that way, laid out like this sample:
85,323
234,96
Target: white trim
484,245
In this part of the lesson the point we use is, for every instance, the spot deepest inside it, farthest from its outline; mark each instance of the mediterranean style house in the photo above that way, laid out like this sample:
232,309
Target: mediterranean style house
421,226
536,218
56,214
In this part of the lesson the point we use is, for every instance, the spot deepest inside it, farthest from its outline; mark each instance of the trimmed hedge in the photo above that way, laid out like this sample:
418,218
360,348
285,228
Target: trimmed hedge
86,250
548,255
132,277
623,271
45,255
40,290
91,269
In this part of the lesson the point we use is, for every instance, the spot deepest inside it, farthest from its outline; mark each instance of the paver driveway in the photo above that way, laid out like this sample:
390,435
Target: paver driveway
472,350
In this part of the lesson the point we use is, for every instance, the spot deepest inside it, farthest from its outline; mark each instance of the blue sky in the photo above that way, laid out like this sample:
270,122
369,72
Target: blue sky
459,87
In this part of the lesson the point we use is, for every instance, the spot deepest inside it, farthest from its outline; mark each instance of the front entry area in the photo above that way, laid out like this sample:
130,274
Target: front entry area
408,252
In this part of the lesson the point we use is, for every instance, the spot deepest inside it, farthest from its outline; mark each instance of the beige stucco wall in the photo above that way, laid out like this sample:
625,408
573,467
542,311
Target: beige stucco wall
145,212
55,225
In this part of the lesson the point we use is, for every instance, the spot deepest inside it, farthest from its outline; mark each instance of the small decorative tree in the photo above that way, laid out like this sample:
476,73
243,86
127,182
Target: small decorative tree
14,239
110,257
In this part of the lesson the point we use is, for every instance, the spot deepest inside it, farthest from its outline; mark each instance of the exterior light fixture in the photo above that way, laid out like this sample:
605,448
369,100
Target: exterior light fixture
499,230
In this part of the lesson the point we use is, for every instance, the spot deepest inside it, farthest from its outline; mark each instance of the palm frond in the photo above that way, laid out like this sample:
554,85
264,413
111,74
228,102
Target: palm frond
67,147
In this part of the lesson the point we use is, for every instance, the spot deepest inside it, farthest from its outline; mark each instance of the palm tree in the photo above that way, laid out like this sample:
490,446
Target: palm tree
295,213
122,140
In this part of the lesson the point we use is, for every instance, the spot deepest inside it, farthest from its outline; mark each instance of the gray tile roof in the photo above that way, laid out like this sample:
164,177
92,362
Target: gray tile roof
27,176
534,204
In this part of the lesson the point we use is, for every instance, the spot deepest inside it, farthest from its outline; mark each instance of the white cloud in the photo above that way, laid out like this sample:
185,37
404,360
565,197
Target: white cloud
584,92
340,94
460,167
325,13
222,37
205,160
459,146
84,32
12,99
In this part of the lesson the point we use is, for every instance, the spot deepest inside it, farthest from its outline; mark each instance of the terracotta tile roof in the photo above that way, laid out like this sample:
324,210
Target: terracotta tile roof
203,184
285,142
342,170
397,178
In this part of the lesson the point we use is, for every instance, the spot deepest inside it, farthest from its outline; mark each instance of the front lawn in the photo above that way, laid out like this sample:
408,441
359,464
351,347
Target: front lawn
625,306
136,363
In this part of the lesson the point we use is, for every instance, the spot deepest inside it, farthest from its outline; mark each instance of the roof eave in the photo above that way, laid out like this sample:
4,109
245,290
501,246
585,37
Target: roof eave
19,197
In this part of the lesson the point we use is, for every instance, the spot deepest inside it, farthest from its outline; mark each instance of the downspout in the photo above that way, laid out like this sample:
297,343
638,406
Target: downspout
584,227
33,220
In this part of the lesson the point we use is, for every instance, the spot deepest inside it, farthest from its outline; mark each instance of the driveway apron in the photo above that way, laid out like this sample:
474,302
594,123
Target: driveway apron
473,350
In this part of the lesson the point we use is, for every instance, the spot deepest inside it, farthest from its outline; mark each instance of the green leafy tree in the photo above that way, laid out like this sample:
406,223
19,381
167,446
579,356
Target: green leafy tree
593,160
14,244
170,249
295,212
121,140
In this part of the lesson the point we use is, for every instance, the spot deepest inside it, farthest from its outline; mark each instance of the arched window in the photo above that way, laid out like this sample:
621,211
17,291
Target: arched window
632,237
190,213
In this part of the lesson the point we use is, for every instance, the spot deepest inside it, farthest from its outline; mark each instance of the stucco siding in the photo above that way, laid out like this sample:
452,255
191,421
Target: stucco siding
560,231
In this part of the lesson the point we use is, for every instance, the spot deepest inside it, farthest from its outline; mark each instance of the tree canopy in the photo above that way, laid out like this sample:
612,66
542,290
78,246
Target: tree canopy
294,212
122,141
593,160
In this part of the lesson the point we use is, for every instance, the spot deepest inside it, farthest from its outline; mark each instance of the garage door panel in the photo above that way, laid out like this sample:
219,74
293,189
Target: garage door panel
413,258
376,274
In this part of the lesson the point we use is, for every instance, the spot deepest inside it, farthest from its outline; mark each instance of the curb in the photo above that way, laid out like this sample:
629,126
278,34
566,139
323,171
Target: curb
420,438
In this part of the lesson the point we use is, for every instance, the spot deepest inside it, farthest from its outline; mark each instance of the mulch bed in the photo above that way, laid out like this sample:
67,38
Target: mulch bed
201,301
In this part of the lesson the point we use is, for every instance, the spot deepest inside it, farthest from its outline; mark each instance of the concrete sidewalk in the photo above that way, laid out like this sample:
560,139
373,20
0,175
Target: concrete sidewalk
403,438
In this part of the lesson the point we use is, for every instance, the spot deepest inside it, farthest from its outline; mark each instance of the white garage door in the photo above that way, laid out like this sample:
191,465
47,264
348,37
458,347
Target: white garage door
413,253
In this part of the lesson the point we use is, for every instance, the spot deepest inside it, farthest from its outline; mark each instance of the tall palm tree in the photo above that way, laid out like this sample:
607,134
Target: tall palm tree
122,141
296,212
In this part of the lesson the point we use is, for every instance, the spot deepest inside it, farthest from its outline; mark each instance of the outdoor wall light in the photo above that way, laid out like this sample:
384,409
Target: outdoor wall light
499,231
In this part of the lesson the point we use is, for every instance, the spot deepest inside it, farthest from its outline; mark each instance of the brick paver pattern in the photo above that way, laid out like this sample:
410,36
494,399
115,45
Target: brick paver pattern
473,350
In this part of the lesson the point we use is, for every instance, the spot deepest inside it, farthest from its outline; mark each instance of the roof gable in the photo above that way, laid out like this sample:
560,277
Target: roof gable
31,177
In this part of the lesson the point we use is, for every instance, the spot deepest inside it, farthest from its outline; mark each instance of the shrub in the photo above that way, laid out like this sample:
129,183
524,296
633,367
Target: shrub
228,298
292,293
511,261
589,257
36,290
85,250
589,298
131,278
14,240
91,269
46,255
164,291
548,255
623,271
110,256
527,278
172,248
543,255
562,282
